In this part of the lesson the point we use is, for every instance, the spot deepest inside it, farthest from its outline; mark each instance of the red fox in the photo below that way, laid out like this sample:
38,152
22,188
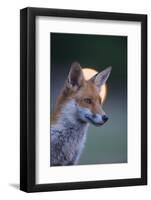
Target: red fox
78,105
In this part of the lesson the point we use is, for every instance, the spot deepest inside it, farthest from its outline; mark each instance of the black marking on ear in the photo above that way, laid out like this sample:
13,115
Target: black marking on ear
93,77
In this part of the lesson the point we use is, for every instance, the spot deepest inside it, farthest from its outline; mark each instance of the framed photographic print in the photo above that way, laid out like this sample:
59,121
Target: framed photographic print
83,99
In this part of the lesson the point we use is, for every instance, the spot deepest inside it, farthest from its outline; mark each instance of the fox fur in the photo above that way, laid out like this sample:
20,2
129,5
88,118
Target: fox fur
78,105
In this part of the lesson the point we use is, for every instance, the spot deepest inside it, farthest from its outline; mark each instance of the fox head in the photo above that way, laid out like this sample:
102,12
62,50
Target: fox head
85,95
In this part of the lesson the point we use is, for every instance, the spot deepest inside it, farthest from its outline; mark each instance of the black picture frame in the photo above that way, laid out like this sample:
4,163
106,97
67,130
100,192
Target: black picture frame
28,98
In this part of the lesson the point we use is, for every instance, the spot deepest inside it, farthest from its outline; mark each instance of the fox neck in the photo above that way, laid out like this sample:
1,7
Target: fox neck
67,118
70,133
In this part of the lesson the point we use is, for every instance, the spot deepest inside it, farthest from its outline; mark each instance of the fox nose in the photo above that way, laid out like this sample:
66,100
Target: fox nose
104,118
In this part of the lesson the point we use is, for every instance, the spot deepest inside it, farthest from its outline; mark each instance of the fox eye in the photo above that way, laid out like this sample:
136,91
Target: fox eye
88,100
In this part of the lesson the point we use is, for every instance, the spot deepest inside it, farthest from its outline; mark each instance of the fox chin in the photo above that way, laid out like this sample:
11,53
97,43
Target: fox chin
78,105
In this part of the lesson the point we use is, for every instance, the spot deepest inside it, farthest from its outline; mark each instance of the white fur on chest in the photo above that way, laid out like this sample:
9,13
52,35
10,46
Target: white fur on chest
71,131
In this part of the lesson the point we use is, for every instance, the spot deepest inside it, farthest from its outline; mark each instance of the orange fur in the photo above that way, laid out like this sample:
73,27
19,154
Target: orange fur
87,90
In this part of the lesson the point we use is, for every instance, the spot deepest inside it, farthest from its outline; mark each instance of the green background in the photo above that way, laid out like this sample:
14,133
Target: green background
108,143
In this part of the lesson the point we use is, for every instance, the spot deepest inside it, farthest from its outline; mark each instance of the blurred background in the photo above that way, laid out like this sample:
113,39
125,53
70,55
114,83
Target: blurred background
108,143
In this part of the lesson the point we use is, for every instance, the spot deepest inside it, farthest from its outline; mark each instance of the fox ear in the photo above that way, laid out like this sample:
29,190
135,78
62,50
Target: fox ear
101,78
75,77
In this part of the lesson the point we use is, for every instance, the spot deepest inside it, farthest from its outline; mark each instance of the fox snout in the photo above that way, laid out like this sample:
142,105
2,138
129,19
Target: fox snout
105,118
96,119
86,115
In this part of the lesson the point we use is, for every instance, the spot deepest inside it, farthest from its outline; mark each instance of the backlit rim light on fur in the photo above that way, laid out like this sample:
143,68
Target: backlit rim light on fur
88,73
